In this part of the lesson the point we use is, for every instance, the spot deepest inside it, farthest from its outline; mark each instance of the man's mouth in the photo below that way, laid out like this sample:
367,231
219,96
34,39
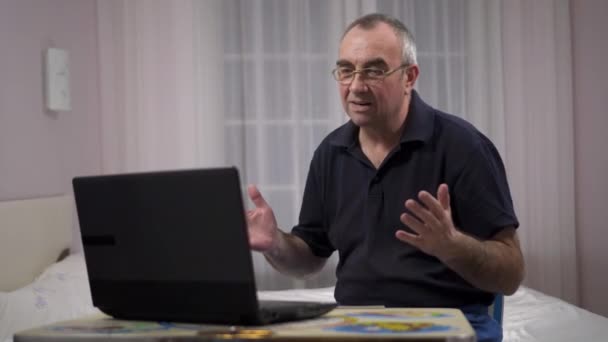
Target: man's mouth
361,103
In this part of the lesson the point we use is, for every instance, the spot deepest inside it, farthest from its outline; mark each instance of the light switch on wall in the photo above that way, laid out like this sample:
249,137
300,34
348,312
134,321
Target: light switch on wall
57,80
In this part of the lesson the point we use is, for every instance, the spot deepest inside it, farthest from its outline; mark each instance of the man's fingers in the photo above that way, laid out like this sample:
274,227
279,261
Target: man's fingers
432,204
413,223
256,196
443,194
422,213
410,238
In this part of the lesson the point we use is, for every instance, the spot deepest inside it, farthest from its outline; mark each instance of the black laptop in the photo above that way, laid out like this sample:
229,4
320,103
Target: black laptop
173,246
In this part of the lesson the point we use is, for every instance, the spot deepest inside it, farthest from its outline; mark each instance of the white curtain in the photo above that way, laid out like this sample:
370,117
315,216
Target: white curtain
537,68
161,99
197,83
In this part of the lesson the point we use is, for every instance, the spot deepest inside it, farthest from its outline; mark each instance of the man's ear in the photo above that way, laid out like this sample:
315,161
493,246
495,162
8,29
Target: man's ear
411,76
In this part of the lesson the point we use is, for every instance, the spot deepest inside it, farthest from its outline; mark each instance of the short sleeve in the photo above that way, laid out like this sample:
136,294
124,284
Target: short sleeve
481,200
312,227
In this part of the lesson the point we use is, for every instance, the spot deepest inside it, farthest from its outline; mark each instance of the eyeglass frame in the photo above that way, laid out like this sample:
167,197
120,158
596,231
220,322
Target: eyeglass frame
366,78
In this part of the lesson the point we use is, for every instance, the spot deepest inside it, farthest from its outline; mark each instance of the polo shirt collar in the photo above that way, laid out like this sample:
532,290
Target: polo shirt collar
418,125
420,121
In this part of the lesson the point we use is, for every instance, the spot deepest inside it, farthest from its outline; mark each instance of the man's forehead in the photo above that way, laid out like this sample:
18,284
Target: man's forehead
366,44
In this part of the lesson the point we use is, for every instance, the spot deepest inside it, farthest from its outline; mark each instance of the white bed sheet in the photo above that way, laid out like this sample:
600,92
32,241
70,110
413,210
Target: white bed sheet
532,316
62,292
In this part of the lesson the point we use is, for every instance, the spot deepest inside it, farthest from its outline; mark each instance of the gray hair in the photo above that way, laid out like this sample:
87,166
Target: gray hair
408,46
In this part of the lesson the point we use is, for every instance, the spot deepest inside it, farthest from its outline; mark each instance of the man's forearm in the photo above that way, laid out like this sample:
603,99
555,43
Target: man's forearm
292,256
494,265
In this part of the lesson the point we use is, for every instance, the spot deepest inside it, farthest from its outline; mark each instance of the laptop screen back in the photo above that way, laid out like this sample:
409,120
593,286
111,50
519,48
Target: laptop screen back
174,238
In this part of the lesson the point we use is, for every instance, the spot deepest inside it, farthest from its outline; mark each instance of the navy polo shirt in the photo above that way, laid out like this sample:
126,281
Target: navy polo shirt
354,208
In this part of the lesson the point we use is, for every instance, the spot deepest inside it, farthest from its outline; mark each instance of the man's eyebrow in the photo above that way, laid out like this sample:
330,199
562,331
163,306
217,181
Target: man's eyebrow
371,63
375,62
343,62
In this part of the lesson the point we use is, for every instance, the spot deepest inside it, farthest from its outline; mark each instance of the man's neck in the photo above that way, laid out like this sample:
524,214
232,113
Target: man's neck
377,142
385,137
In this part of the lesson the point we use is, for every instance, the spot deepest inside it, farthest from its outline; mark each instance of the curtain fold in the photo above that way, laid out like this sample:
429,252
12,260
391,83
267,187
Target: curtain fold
483,79
537,66
161,82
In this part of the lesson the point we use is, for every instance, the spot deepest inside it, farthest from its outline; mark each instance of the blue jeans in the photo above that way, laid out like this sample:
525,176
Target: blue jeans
486,328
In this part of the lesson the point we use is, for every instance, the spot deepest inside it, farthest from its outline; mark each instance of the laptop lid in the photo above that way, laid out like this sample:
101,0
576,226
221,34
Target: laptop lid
173,246
168,245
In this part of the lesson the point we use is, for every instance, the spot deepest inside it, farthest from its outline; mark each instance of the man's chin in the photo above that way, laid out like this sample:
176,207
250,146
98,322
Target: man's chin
359,119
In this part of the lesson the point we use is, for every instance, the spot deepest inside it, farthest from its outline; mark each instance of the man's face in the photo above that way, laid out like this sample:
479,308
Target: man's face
377,103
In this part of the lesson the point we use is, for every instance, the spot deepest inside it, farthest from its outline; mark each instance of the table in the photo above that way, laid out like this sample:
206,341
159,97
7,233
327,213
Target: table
356,324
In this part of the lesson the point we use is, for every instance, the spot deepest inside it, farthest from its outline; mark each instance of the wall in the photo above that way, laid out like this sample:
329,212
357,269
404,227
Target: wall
590,53
41,151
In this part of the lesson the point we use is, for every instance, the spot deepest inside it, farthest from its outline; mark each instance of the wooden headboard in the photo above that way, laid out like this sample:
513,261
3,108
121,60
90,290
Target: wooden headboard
33,232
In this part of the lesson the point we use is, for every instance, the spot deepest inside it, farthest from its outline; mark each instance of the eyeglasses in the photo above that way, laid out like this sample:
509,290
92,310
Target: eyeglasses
345,75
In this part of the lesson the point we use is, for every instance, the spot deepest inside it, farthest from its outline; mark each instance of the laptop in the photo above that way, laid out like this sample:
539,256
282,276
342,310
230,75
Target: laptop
173,246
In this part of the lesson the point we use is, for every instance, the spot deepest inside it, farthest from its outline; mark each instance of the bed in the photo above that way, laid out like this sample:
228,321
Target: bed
36,288
39,281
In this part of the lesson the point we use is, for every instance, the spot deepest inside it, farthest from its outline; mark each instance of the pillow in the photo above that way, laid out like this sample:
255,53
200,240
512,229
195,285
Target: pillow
60,293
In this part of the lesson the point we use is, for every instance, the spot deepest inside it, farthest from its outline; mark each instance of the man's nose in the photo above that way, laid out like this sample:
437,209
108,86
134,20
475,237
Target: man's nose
357,84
